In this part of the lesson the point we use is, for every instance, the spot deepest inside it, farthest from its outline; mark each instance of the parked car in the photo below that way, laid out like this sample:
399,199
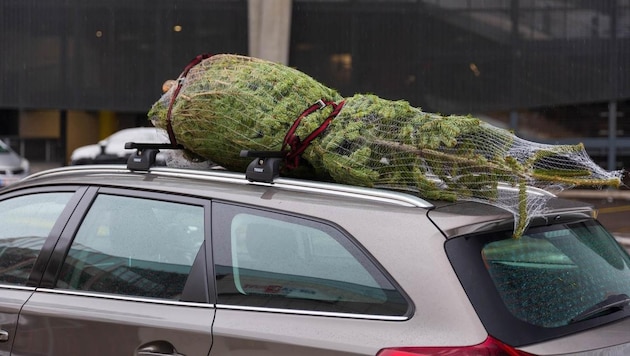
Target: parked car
143,260
13,167
111,150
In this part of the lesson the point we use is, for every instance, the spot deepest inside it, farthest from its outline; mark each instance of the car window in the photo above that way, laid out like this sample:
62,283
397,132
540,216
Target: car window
271,261
134,247
25,223
549,277
554,280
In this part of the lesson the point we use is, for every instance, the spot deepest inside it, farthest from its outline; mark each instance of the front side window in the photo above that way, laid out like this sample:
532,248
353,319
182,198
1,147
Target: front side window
134,247
275,261
25,223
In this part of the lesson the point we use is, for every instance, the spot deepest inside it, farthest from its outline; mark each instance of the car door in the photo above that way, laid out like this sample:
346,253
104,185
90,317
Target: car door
128,277
29,223
289,285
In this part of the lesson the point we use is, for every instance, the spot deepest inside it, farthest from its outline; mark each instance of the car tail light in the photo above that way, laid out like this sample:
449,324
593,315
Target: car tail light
490,347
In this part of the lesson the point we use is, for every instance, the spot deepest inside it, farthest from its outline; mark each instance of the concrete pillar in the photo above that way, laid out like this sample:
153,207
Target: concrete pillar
269,29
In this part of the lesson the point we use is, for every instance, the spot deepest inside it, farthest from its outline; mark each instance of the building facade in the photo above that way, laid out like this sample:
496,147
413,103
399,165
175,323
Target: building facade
554,71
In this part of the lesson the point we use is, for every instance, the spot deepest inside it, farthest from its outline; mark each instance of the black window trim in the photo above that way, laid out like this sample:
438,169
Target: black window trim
200,267
270,212
314,313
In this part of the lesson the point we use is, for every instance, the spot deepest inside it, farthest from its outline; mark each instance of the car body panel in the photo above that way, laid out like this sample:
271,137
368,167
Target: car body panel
13,298
294,334
55,323
404,239
598,340
433,309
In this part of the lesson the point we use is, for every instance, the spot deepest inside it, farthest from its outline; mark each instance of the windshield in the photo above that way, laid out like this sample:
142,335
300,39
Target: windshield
552,275
4,148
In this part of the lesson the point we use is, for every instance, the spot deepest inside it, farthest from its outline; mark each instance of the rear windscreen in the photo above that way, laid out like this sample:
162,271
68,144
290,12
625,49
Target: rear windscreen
569,276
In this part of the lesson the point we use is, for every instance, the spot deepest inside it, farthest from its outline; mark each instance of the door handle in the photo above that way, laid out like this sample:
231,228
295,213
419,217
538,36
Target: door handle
157,348
4,335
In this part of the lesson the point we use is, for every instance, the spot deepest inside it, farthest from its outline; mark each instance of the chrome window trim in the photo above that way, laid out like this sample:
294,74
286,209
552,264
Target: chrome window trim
123,298
16,287
313,313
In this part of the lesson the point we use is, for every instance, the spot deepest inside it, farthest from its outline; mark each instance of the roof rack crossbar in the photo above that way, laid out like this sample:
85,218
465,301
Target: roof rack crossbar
144,157
143,146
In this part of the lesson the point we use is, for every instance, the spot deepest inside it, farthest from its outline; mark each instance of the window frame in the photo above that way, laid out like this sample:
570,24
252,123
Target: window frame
195,292
43,258
222,225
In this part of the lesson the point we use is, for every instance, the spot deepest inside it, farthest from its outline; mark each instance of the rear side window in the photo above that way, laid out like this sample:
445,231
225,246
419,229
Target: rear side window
25,223
276,261
134,247
554,280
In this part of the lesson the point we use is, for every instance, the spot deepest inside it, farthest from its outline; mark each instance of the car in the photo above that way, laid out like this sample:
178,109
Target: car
111,150
13,167
145,260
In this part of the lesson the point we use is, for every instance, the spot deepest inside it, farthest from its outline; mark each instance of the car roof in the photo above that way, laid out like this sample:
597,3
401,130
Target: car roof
217,184
468,217
453,218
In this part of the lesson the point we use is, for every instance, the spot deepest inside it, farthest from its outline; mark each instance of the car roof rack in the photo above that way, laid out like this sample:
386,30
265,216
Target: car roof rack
265,167
144,157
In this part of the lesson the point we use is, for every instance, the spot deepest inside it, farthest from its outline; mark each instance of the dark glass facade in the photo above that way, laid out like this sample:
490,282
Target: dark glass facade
549,69
110,54
469,56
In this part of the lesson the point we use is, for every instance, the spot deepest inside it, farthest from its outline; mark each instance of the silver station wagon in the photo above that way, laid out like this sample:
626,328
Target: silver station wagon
144,260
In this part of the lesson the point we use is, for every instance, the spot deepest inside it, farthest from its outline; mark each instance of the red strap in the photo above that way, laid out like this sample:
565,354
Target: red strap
180,80
292,157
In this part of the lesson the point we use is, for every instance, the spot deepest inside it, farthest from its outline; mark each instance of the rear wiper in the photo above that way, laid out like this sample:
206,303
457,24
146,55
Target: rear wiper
611,304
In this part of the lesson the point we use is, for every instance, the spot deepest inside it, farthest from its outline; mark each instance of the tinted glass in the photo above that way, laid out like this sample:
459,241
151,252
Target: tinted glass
280,262
551,277
25,223
135,247
555,280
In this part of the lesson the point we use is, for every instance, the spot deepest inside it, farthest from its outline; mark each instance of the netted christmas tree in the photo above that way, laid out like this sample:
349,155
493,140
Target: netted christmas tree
228,103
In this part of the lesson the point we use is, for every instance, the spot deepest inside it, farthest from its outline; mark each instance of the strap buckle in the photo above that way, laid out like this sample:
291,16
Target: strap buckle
320,103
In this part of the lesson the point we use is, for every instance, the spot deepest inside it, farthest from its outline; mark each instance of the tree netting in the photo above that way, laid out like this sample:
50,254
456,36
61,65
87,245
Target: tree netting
228,103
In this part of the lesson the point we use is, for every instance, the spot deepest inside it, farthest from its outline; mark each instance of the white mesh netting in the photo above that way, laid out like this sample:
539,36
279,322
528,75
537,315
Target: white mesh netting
228,103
